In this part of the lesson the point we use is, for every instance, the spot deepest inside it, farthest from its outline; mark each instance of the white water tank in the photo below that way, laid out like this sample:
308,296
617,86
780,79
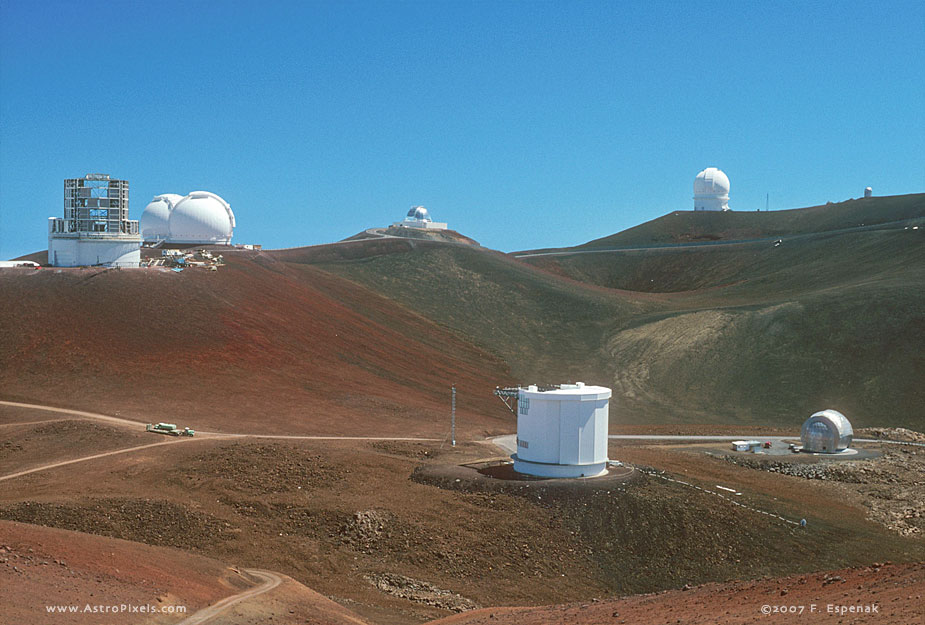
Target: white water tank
562,432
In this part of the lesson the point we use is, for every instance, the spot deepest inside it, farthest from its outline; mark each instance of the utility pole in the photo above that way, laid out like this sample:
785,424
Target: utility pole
453,418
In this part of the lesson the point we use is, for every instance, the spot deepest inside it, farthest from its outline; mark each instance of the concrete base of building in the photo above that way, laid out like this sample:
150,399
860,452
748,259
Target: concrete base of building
73,251
542,469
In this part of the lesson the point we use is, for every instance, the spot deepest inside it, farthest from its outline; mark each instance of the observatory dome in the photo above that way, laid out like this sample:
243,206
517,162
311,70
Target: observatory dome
419,213
201,217
155,216
827,431
711,190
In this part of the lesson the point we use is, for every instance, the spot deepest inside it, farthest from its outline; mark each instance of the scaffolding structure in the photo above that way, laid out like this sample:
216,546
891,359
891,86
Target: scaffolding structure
95,229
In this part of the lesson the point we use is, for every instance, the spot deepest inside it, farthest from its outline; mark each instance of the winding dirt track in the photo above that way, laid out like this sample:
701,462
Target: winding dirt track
270,581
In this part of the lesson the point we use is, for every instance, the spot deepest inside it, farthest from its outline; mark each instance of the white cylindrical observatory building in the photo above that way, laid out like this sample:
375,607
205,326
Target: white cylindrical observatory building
711,190
562,432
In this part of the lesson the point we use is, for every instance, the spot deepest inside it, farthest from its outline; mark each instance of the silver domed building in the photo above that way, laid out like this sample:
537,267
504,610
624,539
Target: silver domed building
826,432
418,217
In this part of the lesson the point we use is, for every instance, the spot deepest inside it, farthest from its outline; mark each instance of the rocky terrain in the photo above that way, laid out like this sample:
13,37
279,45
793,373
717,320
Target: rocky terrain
891,486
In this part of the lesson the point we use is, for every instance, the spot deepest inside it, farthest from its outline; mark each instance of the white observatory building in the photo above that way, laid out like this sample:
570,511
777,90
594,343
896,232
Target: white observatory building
562,431
418,217
95,229
156,215
711,190
200,218
826,432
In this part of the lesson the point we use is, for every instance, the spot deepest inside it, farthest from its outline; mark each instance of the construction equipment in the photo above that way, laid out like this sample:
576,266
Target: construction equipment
169,429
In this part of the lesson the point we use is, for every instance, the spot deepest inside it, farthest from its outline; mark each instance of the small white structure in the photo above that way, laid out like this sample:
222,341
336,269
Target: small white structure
868,192
201,218
826,432
711,190
562,432
418,217
156,215
95,229
745,445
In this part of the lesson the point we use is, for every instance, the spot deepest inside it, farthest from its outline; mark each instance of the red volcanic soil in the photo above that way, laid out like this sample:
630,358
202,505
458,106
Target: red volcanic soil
257,346
881,593
42,566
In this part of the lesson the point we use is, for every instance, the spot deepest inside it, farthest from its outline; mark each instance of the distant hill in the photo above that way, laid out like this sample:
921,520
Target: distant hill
682,227
741,333
367,334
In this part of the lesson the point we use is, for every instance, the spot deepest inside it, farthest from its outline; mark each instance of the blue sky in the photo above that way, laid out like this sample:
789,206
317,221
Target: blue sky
522,124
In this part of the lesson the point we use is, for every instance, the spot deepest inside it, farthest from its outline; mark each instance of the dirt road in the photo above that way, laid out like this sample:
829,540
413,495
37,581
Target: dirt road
54,465
202,434
270,581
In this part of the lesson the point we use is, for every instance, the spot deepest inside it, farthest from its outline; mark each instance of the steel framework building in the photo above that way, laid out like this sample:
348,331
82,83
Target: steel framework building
95,229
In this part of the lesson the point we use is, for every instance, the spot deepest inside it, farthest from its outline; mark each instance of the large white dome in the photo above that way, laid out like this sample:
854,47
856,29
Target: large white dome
201,217
711,190
155,216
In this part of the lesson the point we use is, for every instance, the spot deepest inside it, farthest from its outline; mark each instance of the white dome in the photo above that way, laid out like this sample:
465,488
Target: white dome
418,212
711,190
155,216
201,217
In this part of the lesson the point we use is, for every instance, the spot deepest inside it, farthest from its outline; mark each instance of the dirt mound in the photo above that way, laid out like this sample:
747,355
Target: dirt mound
258,468
143,520
891,434
30,444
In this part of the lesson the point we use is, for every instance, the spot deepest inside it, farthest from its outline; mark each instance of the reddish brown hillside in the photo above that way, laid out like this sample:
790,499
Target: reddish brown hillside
256,346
